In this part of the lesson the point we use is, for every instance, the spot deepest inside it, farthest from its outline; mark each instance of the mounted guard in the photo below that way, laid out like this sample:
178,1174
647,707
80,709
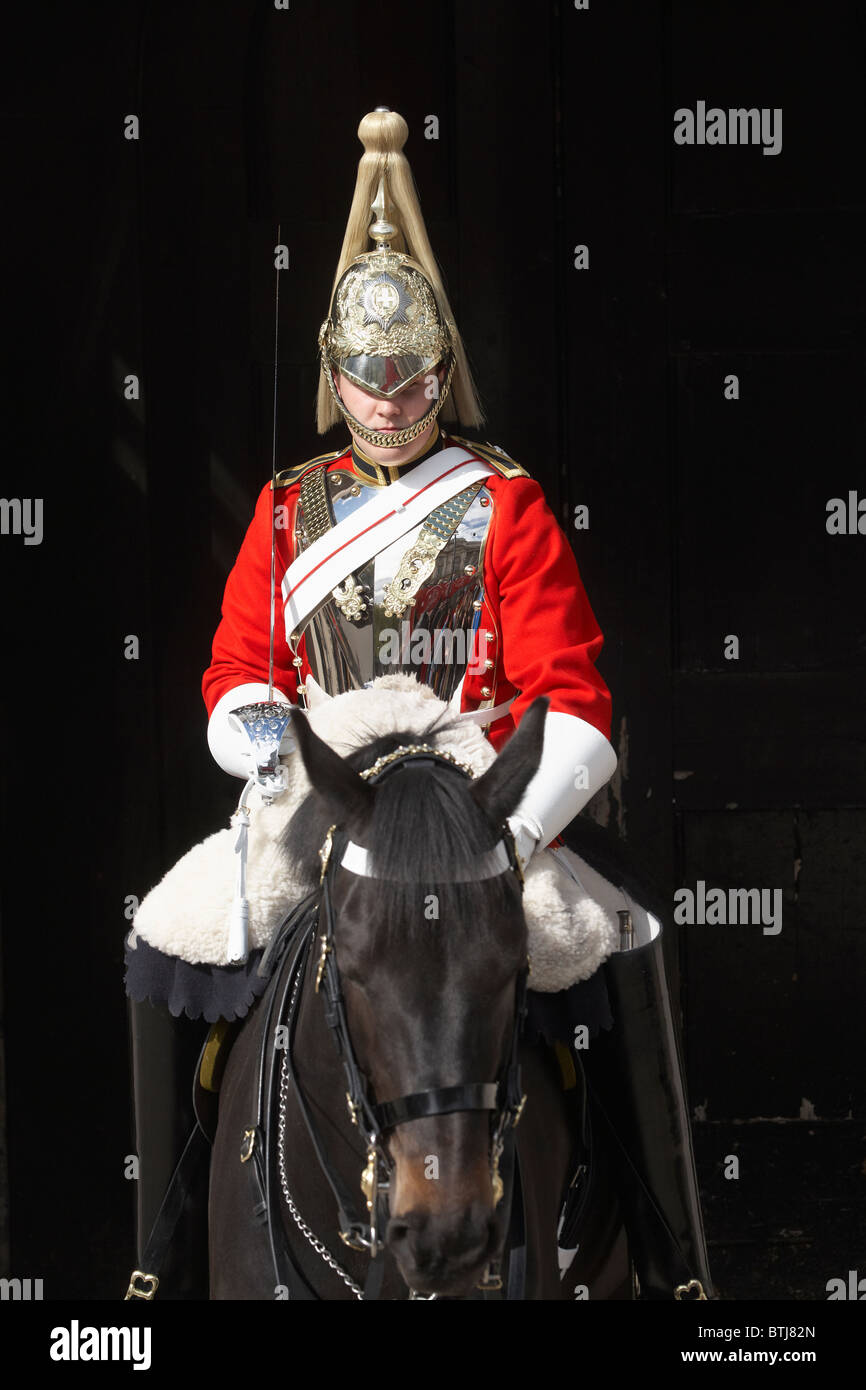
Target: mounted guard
419,554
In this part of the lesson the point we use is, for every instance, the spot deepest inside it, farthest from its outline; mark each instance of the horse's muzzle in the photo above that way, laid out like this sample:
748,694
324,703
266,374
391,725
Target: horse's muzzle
444,1252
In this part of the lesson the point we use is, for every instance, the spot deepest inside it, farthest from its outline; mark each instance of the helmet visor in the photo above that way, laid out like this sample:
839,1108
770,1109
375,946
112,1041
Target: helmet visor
386,376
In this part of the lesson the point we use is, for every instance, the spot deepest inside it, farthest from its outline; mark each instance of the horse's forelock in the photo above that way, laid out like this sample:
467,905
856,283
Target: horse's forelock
308,825
425,827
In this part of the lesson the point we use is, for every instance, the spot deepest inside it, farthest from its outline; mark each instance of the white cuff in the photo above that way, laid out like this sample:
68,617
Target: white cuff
576,761
226,740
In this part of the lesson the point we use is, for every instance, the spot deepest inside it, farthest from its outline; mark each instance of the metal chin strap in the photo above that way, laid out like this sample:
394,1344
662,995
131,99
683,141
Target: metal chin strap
385,439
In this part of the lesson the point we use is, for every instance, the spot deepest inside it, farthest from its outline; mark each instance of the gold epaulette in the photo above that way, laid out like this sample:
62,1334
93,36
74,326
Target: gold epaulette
491,453
288,476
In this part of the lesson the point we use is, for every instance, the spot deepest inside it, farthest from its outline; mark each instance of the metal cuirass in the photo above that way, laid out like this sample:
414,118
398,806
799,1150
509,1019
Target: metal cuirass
414,608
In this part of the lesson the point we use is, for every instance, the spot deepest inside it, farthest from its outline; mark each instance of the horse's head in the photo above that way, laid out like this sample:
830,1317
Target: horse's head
430,939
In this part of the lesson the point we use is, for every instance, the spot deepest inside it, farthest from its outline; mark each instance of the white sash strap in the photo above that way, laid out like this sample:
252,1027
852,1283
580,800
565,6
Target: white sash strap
484,716
394,511
477,716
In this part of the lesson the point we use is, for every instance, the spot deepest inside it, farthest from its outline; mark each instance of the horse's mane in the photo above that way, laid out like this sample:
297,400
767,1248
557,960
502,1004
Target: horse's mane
425,827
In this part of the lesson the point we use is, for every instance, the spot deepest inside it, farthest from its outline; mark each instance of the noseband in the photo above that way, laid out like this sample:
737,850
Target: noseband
502,1097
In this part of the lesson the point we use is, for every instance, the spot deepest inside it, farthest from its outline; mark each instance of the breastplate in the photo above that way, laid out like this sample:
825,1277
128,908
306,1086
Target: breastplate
435,636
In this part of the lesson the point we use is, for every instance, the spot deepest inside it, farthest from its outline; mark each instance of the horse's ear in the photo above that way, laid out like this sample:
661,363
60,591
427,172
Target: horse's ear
499,791
331,777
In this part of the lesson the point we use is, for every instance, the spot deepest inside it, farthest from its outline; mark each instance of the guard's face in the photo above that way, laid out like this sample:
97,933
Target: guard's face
395,413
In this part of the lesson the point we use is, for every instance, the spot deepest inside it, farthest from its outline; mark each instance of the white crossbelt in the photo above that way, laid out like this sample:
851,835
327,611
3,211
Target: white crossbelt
394,511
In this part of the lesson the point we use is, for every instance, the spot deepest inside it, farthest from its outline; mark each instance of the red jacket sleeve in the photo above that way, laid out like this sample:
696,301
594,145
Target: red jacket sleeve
242,641
550,636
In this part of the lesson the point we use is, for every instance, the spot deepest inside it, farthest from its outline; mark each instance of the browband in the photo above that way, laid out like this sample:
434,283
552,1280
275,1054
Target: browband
489,865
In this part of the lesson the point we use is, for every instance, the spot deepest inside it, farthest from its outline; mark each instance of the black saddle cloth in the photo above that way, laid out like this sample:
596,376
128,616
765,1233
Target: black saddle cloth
210,992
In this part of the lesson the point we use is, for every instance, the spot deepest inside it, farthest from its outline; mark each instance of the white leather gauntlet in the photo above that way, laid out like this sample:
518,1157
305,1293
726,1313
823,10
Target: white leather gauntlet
226,739
576,761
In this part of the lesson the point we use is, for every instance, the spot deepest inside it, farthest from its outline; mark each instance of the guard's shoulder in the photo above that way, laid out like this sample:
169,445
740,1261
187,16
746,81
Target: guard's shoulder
491,453
293,475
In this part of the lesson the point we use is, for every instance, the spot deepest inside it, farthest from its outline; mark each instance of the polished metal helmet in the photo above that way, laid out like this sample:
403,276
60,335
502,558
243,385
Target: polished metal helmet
385,331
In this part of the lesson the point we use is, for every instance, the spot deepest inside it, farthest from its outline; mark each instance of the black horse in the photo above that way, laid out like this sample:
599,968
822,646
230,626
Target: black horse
418,952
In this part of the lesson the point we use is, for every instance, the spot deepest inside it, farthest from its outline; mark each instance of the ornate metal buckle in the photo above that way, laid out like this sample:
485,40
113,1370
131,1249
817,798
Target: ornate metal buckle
370,1189
135,1292
491,1280
323,956
325,851
349,598
682,1291
495,1175
369,1182
264,725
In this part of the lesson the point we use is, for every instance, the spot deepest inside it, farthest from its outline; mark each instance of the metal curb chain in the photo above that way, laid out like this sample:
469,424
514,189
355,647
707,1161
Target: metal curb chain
299,1221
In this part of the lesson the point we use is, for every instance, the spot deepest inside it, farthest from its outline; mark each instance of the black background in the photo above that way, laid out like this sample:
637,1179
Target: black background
707,516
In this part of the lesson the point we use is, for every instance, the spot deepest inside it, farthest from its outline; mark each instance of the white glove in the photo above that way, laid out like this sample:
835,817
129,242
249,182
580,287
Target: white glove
226,739
524,841
576,761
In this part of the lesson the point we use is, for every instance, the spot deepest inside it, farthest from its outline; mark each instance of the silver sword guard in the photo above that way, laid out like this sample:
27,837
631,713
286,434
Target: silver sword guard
264,724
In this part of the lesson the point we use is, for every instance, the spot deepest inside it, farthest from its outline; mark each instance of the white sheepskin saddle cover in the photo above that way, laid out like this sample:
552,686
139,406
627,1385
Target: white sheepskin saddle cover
187,913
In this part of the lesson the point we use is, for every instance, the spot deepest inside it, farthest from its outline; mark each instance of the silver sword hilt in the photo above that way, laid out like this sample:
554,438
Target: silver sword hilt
264,724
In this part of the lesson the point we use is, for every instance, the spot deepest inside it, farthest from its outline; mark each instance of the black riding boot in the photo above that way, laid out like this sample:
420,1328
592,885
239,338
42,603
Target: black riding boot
165,1051
637,1083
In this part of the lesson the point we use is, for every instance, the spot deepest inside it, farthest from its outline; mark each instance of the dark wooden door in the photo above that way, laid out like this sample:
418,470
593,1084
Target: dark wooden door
602,369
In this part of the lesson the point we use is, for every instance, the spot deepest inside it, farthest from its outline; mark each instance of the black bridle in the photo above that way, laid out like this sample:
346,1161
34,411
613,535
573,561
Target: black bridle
502,1097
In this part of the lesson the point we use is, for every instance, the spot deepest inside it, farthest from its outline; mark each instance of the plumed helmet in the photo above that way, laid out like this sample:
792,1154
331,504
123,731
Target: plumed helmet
384,329
390,324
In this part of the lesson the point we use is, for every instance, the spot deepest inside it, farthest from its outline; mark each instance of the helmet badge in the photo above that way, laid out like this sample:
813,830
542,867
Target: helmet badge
385,302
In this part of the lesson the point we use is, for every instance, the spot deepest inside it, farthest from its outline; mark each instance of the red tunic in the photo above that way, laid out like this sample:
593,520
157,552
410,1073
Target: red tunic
545,636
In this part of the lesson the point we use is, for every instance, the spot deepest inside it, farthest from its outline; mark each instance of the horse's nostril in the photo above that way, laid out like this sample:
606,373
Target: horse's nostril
443,1246
400,1227
397,1232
